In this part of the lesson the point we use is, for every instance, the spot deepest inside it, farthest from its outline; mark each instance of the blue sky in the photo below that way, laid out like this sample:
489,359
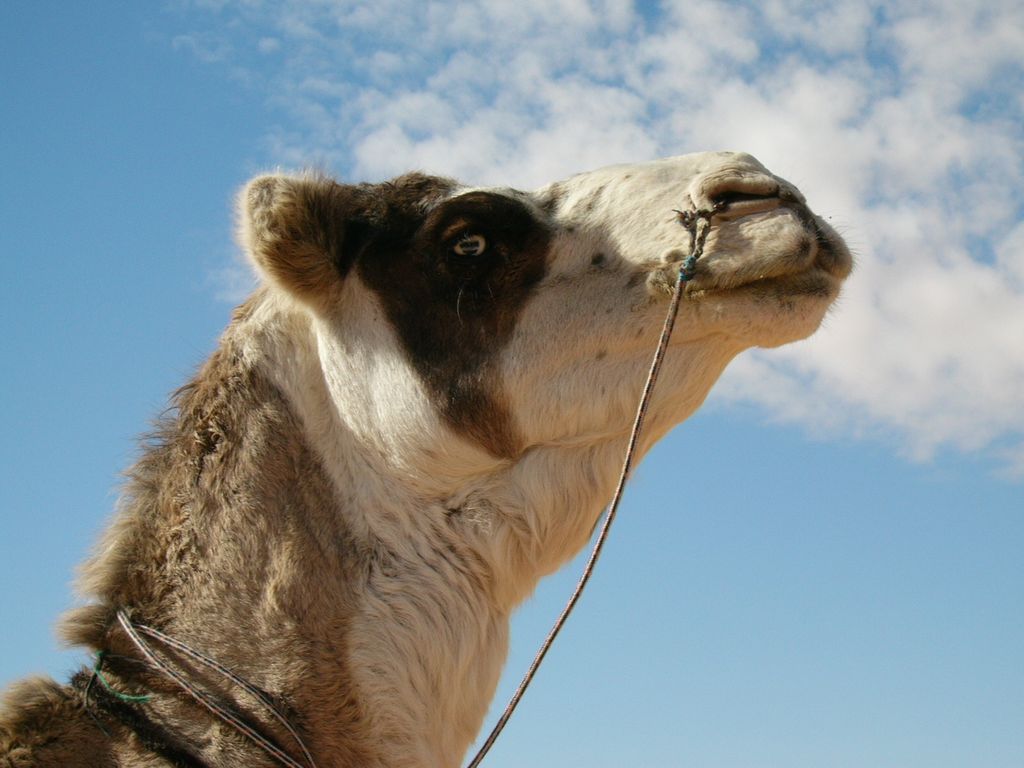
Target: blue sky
822,567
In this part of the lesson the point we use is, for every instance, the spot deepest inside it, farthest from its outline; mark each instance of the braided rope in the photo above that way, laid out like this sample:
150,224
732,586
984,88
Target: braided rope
698,223
135,632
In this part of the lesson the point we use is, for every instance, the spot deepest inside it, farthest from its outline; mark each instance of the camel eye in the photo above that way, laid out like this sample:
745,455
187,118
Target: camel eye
470,245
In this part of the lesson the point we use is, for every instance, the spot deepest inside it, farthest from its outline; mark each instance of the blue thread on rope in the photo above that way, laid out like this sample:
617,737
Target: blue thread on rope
96,670
689,268
692,219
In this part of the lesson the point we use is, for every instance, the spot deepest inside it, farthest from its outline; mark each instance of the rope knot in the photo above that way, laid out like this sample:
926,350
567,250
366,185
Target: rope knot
698,223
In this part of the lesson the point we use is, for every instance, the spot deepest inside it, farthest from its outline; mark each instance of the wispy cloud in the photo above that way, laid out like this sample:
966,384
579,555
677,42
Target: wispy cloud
233,281
209,49
901,120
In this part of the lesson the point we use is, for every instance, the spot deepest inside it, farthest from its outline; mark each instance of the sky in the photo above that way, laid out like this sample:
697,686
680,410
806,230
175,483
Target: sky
820,568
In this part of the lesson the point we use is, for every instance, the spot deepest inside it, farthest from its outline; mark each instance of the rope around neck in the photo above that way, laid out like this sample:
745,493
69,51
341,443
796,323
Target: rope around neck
135,632
698,224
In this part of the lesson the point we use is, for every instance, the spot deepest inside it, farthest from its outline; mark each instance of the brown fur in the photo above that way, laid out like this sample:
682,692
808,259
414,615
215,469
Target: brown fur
226,495
45,724
455,314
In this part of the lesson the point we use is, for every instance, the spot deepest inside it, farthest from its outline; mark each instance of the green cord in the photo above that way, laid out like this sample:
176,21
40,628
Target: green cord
141,699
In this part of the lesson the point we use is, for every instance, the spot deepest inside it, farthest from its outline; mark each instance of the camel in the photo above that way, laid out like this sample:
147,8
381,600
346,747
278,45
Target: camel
419,414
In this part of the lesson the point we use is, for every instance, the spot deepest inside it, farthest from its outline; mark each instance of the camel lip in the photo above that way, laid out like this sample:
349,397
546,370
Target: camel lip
826,249
817,268
821,272
814,282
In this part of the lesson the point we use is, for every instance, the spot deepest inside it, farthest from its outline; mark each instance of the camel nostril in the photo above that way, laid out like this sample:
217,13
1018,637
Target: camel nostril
729,197
733,195
736,203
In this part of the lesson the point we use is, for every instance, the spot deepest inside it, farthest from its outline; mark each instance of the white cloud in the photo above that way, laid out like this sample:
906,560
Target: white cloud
901,120
834,28
268,44
208,48
1010,256
233,281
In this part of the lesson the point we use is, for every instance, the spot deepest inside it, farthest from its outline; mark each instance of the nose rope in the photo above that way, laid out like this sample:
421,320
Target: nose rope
693,221
698,224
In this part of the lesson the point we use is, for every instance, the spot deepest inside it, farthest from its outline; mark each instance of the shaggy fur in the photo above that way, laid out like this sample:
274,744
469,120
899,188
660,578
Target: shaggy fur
227,496
395,439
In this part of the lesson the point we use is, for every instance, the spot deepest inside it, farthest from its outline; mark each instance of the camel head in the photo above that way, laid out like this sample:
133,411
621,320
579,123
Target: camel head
460,328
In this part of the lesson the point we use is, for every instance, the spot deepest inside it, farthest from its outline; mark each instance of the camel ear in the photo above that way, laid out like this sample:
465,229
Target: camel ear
300,232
